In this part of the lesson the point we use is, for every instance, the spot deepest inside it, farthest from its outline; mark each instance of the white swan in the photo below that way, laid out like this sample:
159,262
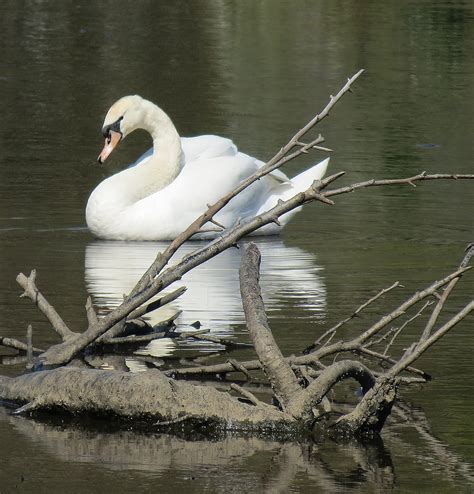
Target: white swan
172,184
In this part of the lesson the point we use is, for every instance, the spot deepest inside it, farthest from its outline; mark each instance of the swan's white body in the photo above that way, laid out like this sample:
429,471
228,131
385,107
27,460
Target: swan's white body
172,184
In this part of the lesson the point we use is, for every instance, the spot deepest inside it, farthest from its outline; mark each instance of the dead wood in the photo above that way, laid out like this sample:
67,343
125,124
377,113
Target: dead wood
355,345
469,252
64,352
148,396
278,371
156,398
17,345
31,291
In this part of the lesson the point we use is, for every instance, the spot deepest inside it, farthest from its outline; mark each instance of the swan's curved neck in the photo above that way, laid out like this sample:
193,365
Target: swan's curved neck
164,165
120,194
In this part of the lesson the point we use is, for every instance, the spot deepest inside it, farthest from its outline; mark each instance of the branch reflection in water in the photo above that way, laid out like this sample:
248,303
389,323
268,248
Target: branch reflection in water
290,279
331,468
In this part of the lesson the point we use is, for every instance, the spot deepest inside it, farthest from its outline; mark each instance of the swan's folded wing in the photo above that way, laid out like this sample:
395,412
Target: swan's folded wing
206,147
278,175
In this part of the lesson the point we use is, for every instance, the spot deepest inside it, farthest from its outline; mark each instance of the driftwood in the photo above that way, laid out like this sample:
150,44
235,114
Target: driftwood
163,401
70,378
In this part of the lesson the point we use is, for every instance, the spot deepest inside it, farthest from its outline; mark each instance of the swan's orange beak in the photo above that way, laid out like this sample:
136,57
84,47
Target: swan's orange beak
110,144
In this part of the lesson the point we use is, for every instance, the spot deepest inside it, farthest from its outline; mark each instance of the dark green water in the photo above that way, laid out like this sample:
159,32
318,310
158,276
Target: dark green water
255,72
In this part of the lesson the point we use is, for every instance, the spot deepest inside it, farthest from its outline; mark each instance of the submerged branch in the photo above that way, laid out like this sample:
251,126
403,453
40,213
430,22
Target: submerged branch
17,345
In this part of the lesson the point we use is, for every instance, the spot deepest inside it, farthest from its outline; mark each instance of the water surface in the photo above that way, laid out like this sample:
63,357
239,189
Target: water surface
255,72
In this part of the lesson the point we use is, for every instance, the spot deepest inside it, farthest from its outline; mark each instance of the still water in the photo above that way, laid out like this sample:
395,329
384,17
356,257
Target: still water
254,72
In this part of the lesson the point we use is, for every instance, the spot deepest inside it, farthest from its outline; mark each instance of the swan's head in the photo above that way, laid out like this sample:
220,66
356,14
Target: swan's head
124,116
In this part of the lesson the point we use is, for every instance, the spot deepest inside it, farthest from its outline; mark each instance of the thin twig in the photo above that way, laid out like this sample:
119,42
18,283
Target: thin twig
90,312
387,319
175,421
227,342
390,360
420,349
347,319
29,345
249,396
405,324
398,181
442,300
240,368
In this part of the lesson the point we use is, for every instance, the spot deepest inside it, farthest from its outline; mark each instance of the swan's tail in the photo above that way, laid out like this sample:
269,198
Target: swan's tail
303,181
286,190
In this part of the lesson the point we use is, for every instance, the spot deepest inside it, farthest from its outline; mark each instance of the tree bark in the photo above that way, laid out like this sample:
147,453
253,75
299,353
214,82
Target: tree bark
148,396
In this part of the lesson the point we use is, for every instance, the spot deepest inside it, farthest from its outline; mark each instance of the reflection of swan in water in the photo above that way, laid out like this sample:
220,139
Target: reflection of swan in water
289,276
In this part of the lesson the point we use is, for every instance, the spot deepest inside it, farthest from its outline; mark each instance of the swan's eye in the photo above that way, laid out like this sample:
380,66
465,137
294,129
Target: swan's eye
106,131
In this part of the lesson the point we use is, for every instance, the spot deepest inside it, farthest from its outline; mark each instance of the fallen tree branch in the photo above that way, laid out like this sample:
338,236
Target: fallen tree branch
153,396
278,371
63,353
31,291
303,404
17,345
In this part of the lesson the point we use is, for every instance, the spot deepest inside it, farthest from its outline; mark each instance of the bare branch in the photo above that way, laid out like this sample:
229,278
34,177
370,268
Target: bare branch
442,300
32,292
407,304
90,312
29,345
404,325
280,158
227,342
354,314
279,373
17,345
420,349
249,396
386,358
398,181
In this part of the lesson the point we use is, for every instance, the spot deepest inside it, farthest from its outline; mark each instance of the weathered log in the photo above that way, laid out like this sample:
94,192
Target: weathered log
148,396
